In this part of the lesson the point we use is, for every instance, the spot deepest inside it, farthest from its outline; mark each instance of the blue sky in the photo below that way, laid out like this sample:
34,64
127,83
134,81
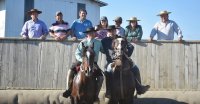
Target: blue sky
184,12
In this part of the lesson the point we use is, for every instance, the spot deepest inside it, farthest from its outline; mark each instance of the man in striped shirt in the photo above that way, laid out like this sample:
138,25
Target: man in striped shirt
80,25
59,30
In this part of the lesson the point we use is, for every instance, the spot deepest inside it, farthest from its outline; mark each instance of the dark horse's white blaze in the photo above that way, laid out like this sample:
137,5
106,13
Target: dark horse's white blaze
123,79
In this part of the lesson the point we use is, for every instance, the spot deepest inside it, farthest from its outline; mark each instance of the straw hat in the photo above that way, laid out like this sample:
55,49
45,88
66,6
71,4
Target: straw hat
34,10
163,12
133,19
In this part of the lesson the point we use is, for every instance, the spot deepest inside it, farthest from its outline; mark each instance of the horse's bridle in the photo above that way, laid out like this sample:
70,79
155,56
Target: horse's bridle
88,59
120,48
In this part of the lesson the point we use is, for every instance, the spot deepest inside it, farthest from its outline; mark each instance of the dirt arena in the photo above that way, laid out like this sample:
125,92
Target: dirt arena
55,97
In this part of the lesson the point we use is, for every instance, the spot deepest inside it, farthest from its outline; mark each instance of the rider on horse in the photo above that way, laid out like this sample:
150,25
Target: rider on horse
78,54
107,45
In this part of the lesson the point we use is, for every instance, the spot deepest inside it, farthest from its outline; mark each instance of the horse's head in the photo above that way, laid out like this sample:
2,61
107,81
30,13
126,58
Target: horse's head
119,46
88,59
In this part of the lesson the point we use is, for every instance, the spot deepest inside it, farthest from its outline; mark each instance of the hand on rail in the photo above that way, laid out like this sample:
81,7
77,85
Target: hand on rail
43,37
150,39
25,37
57,38
134,40
74,38
180,40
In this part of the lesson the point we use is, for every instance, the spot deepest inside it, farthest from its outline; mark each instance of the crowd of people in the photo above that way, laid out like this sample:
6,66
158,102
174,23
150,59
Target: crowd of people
61,30
102,36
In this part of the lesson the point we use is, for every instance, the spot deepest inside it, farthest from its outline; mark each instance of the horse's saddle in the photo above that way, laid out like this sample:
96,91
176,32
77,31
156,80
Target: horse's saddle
78,68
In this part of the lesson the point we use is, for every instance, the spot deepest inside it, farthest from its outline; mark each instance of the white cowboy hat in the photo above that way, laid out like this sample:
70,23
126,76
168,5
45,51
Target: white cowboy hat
133,19
163,12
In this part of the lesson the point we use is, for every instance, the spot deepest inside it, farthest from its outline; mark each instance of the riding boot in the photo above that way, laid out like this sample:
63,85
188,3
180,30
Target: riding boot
70,77
141,89
98,88
108,84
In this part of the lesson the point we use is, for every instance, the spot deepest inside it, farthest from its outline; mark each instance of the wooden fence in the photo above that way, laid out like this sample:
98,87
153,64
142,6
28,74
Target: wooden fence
35,64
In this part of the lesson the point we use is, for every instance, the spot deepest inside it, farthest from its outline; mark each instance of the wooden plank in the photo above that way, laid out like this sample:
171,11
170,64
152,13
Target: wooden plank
174,74
1,62
33,63
47,64
143,63
198,67
162,53
181,62
178,62
165,65
187,55
149,77
153,65
140,62
194,67
63,61
19,59
7,73
157,67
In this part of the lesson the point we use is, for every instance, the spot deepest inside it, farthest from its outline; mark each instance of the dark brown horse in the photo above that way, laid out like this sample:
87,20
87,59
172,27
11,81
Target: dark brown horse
123,83
84,83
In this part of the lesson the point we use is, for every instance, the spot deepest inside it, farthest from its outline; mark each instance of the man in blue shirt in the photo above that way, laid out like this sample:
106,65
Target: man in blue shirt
80,25
34,28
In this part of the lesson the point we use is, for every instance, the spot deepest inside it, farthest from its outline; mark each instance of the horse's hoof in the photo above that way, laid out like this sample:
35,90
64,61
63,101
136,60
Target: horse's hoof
97,102
107,100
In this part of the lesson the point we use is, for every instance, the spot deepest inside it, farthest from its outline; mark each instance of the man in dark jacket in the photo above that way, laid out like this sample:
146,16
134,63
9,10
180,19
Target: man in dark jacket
107,46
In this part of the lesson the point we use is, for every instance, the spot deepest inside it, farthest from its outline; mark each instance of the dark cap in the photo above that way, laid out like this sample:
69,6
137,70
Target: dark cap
104,18
118,19
58,13
91,29
34,10
111,27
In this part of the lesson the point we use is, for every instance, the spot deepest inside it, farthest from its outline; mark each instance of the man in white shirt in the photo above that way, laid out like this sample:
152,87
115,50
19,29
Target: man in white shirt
165,28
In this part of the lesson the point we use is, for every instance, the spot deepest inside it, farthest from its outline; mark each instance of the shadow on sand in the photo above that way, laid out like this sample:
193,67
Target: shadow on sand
157,101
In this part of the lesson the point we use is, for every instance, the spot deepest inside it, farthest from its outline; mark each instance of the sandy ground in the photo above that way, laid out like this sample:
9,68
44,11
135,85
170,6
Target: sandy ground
55,97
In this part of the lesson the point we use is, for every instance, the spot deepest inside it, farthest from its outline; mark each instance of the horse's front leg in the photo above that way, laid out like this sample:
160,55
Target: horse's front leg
113,101
72,100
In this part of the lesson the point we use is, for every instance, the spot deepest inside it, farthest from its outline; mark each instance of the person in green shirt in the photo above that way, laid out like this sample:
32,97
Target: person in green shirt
91,33
133,32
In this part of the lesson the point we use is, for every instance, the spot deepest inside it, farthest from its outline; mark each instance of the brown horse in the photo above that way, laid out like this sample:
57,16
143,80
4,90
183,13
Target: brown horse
84,83
123,83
